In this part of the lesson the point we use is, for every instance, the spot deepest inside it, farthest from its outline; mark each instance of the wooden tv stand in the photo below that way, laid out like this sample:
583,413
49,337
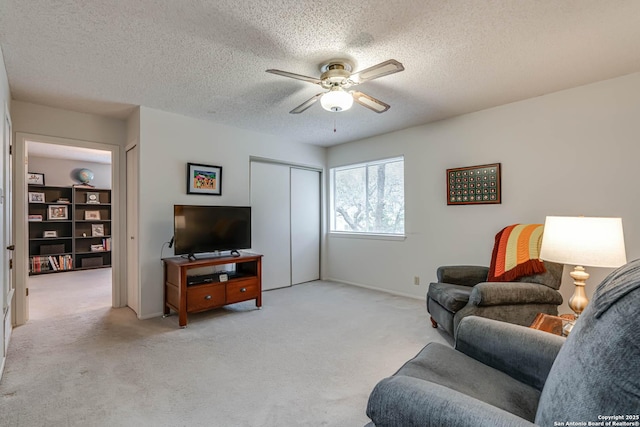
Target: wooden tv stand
245,284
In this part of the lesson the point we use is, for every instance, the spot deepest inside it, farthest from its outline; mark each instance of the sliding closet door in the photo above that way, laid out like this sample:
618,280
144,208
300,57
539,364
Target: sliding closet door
305,225
270,218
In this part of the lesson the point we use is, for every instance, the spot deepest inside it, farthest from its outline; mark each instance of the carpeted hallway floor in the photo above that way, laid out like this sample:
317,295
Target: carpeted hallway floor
310,357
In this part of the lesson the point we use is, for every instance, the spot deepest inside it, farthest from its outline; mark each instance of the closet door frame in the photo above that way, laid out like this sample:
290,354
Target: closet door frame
321,196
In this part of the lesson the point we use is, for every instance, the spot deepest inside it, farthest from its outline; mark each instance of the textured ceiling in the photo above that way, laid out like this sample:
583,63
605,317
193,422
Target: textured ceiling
207,58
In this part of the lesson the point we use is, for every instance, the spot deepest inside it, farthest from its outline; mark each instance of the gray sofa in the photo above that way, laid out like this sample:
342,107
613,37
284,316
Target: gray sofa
502,374
462,291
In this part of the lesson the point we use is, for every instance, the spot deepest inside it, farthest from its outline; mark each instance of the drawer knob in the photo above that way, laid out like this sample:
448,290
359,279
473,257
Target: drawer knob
207,297
243,289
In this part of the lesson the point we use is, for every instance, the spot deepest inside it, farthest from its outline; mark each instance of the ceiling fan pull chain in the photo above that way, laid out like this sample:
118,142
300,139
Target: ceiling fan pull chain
334,124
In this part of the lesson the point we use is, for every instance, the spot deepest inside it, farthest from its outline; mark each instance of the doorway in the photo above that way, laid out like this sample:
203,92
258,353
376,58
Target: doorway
83,236
286,222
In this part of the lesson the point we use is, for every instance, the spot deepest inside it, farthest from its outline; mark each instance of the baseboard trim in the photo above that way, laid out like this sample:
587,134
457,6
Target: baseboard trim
150,316
374,288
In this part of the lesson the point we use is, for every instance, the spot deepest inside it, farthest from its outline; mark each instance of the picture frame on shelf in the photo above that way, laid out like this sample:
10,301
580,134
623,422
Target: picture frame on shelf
97,248
35,178
35,197
49,233
92,215
97,230
204,179
57,212
34,218
93,198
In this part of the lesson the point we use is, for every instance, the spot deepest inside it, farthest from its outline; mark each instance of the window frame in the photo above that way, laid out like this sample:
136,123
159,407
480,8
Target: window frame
332,195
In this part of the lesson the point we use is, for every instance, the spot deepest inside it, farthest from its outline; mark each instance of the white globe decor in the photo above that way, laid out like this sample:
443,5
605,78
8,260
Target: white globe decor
85,176
336,100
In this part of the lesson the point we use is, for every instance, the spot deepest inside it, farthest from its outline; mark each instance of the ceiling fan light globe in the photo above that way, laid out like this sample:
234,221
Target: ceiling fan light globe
336,100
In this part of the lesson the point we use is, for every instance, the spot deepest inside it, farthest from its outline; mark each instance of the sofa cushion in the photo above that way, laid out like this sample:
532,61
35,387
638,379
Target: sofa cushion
551,278
468,275
451,297
447,367
496,293
597,371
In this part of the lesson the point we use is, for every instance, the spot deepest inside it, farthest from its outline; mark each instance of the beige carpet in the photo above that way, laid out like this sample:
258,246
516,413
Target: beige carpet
310,357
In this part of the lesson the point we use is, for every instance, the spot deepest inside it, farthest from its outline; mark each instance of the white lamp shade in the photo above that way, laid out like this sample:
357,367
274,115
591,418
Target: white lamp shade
336,100
585,241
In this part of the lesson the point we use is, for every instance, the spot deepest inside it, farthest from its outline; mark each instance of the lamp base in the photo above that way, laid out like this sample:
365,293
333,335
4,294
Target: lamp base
579,300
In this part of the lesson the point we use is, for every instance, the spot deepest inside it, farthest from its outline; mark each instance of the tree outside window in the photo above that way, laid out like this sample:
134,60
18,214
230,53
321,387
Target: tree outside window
369,197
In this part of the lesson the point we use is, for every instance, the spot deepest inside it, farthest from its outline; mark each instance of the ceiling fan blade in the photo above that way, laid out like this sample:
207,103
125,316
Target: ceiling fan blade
370,102
306,104
294,76
382,69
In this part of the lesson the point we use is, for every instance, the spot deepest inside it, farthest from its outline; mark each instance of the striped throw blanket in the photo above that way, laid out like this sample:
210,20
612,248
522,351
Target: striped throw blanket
516,253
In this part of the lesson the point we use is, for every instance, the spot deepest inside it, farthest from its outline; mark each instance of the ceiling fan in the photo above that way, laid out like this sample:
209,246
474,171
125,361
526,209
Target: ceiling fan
336,77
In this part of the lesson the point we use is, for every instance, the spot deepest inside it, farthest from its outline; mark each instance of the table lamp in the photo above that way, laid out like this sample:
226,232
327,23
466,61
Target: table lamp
580,241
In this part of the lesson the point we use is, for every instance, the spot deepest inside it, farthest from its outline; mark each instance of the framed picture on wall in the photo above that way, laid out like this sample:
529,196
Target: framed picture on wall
474,185
204,179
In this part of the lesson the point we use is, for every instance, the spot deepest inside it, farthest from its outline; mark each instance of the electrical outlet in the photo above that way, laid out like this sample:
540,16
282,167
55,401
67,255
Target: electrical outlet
416,280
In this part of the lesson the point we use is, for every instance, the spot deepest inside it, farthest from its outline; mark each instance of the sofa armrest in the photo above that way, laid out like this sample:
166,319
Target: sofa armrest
505,293
466,275
411,402
523,353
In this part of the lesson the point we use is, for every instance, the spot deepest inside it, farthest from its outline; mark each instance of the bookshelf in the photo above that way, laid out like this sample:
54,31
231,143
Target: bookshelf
69,228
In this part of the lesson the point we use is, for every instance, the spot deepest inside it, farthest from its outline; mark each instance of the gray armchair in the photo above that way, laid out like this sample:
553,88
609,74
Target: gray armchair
463,291
502,374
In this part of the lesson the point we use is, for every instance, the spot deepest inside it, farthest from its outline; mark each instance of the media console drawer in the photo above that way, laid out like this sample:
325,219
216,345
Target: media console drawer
201,298
242,290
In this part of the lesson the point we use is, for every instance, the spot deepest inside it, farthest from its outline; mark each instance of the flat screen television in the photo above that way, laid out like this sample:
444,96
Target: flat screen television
204,229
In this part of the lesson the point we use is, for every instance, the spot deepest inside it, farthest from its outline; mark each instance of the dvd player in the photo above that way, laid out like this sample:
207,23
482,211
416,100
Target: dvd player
199,280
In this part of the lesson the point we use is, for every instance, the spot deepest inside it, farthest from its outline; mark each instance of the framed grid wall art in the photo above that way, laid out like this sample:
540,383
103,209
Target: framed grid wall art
474,185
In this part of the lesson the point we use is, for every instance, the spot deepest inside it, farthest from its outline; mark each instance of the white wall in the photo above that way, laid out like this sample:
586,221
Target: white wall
53,125
61,171
167,143
133,126
573,152
42,120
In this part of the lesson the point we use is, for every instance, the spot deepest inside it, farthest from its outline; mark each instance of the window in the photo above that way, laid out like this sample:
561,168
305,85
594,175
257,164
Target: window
368,197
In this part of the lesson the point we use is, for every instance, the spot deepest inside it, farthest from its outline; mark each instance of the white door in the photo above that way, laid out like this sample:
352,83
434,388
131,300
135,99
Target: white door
270,222
133,282
6,238
305,225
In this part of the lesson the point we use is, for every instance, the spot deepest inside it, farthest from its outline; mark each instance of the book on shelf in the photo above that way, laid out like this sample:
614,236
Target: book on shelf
52,263
44,263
